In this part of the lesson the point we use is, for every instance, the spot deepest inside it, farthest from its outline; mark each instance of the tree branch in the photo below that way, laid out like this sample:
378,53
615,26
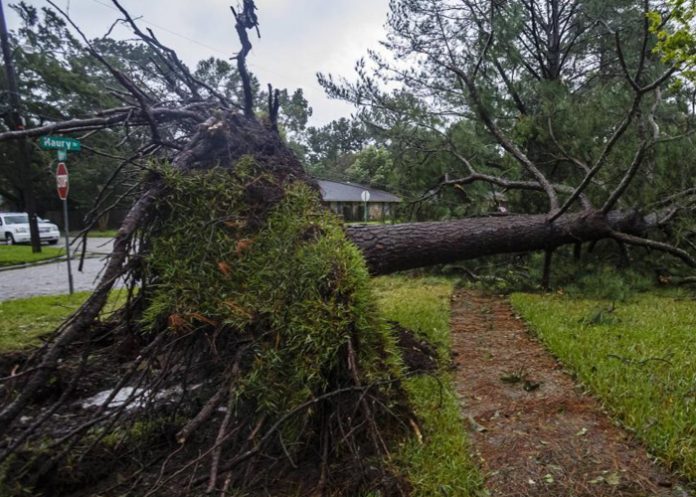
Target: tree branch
662,247
245,20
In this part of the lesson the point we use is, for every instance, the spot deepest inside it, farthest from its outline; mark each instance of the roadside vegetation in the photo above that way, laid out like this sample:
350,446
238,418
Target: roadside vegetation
11,255
635,353
440,464
24,321
97,234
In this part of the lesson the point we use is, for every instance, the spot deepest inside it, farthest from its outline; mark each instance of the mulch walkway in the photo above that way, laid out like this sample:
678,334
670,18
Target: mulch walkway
533,429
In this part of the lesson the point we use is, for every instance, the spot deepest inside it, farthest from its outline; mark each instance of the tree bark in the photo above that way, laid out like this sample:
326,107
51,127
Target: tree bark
390,248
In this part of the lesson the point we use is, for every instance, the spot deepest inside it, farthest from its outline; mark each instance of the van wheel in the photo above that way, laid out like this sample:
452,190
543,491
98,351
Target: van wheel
53,242
9,239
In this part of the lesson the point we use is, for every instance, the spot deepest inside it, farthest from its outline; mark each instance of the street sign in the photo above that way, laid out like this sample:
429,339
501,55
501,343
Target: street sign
59,143
62,155
62,184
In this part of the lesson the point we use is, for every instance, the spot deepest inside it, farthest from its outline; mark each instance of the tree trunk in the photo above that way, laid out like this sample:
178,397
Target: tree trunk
390,248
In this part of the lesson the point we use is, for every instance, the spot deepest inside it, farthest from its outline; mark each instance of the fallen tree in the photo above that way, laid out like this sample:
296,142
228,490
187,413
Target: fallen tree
248,346
406,246
557,107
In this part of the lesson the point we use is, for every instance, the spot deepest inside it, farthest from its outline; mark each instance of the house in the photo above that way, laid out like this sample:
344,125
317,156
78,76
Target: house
345,199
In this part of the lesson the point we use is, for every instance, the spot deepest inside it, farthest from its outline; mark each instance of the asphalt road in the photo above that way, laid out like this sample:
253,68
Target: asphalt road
51,279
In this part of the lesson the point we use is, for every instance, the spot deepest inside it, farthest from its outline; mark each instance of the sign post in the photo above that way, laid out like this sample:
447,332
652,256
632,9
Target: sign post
63,186
365,196
63,145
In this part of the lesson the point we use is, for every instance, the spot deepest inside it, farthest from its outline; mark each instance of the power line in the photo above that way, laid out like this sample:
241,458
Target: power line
167,30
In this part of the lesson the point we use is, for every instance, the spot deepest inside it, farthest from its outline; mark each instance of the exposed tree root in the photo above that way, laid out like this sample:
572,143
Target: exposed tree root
219,365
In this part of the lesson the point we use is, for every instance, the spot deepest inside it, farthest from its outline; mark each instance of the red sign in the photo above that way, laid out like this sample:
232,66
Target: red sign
62,180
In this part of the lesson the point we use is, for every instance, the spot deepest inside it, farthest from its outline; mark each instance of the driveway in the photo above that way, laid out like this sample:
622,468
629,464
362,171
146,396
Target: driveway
51,279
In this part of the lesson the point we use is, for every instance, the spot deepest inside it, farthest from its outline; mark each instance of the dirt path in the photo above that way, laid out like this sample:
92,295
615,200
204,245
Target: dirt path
535,432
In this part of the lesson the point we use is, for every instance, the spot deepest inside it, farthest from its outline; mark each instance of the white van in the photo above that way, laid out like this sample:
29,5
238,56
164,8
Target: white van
14,228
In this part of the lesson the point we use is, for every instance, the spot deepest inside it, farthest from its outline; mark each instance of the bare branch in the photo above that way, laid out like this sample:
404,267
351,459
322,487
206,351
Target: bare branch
637,159
493,180
626,180
273,107
88,123
170,57
143,99
662,247
78,125
245,20
599,162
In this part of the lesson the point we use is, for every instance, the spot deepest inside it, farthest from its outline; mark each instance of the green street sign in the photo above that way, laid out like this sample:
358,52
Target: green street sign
62,155
59,143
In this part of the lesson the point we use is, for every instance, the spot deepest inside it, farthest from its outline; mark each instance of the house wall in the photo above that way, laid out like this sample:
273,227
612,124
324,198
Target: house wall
355,211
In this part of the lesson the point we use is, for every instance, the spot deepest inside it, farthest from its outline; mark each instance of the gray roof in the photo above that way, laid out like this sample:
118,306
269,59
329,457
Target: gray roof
336,191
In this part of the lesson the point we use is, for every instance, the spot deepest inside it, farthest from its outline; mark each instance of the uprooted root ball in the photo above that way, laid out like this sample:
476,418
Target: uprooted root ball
259,358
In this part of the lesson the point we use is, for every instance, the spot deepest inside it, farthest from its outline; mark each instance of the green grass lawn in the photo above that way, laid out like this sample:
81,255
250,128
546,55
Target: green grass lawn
639,359
19,254
441,465
24,321
101,234
96,234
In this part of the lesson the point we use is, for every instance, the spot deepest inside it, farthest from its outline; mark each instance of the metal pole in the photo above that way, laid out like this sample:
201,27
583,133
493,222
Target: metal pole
67,244
14,121
366,214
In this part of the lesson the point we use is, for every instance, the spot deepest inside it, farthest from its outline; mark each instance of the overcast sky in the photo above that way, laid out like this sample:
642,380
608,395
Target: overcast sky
299,37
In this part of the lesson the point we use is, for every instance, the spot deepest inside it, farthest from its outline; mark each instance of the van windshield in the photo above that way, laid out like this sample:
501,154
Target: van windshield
17,219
